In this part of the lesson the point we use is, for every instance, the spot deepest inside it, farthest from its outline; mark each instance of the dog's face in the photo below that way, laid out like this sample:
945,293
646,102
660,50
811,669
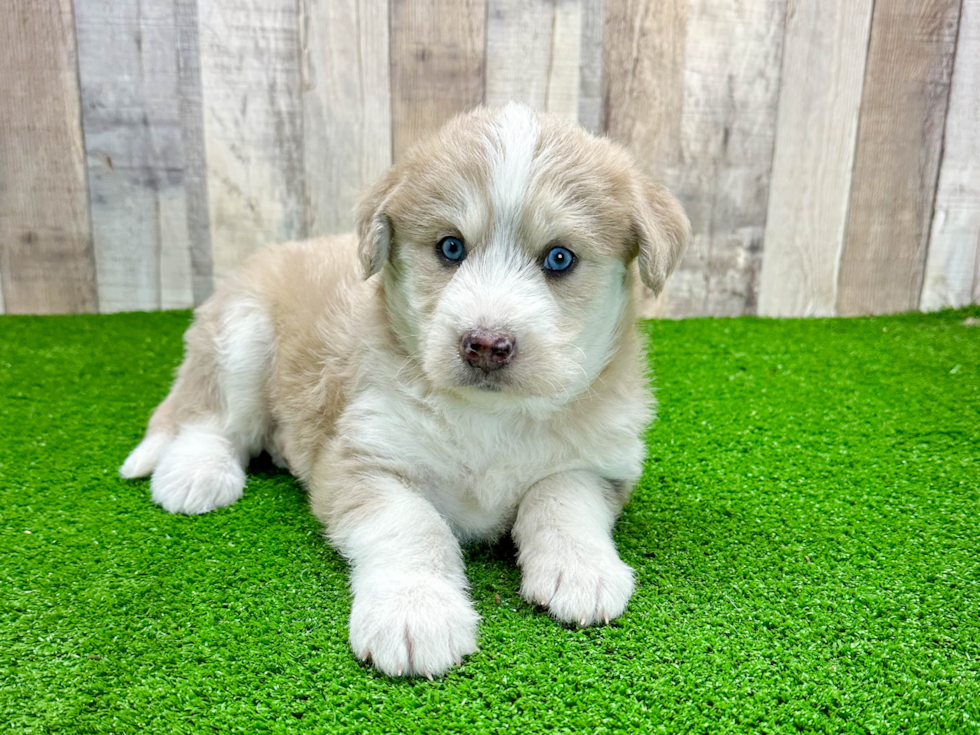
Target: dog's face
506,244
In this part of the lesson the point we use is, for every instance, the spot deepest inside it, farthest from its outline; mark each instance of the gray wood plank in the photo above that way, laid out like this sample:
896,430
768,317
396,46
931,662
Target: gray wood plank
134,153
533,54
954,244
46,258
826,48
590,64
692,88
900,134
253,126
346,106
438,52
195,158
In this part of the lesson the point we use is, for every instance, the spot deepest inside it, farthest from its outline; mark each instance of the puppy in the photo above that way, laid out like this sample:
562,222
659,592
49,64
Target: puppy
465,365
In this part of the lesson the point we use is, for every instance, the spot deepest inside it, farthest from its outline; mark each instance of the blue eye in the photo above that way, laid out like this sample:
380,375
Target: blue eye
558,260
452,249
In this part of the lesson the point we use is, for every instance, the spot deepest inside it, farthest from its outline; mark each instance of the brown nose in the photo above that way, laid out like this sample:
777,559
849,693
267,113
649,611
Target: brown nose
487,350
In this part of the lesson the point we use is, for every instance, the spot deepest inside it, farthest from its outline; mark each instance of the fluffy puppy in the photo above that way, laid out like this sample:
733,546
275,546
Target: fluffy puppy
465,365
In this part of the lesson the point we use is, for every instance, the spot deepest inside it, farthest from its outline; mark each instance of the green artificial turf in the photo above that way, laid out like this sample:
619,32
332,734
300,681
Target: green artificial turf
805,539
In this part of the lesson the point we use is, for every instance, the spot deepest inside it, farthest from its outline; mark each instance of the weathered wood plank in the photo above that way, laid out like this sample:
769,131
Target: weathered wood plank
533,54
692,89
826,46
644,45
643,80
346,106
564,67
134,153
954,245
590,66
253,126
518,51
437,65
46,258
195,159
897,159
976,277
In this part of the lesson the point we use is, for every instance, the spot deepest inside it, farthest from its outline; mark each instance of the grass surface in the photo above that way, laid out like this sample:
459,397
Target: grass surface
805,539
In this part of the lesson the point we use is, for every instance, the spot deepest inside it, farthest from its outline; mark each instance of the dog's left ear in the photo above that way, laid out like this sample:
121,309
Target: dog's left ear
371,223
661,229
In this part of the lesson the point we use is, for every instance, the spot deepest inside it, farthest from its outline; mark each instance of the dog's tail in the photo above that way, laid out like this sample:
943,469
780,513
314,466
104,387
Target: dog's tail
160,433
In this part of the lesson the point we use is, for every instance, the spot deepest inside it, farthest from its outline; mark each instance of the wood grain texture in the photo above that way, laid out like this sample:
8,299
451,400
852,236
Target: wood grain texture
533,54
954,245
826,46
590,66
900,135
195,159
253,126
134,153
346,106
46,258
837,131
438,52
643,76
692,88
564,68
643,94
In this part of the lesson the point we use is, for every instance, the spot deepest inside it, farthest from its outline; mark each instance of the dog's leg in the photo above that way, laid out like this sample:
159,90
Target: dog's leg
410,614
199,471
567,555
201,437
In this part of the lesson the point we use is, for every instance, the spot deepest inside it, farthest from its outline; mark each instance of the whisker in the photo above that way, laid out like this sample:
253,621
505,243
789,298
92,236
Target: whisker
405,364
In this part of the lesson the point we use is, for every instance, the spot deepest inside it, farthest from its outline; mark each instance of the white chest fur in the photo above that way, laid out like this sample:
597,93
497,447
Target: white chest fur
474,465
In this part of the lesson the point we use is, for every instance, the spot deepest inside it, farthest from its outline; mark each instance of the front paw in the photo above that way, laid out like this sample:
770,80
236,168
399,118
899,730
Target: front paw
577,585
411,624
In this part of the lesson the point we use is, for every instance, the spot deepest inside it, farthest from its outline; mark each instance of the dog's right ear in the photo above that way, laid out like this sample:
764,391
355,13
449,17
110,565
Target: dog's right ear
662,231
371,223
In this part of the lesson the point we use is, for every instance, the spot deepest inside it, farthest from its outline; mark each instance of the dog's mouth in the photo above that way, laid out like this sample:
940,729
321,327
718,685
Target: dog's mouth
493,381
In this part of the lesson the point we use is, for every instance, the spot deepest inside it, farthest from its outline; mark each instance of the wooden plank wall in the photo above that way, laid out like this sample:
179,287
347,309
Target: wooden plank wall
822,78
827,151
346,106
127,57
709,72
438,65
47,264
253,126
899,147
952,276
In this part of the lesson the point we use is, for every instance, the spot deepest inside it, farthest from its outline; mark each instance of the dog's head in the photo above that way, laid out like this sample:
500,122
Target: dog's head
506,245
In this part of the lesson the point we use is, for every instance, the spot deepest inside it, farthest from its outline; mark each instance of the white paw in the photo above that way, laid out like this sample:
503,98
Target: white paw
580,586
144,458
198,472
411,625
